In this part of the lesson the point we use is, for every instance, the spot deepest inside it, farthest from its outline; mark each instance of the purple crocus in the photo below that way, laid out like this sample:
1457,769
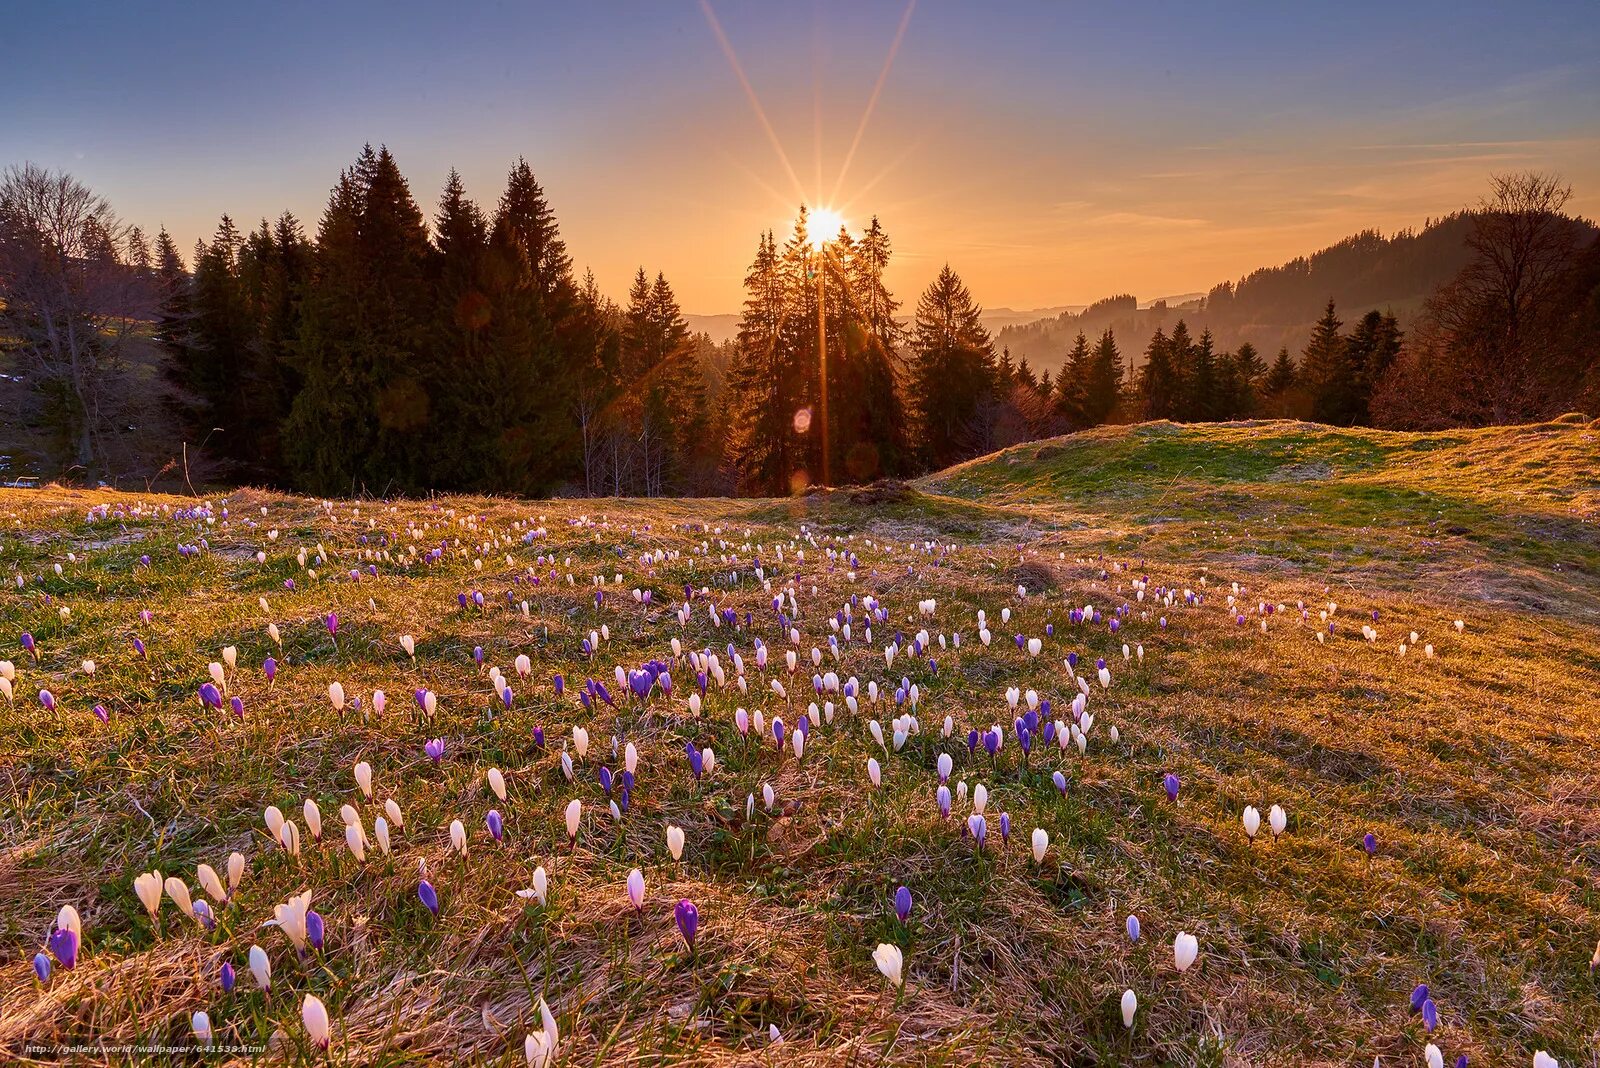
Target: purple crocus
496,825
331,621
48,700
991,742
434,748
103,716
1133,928
210,696
1005,827
1369,842
316,929
237,704
138,648
902,903
1430,1015
41,967
605,779
226,977
1419,995
1061,782
29,644
429,897
1170,781
561,685
64,944
269,668
688,918
777,730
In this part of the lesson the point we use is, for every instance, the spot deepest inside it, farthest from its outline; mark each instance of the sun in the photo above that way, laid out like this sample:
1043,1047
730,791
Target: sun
825,226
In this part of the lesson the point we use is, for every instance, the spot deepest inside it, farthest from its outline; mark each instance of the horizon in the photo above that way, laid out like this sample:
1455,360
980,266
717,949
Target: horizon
1050,163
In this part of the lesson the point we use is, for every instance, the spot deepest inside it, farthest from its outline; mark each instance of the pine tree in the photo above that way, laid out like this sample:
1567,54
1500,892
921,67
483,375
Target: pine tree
1072,385
868,260
953,371
1102,388
459,338
763,389
1327,374
1281,378
1181,358
362,419
1249,364
1203,401
1370,349
536,345
1160,381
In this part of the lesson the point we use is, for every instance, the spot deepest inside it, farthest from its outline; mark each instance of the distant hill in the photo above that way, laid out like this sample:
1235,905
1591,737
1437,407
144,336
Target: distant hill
726,326
1274,306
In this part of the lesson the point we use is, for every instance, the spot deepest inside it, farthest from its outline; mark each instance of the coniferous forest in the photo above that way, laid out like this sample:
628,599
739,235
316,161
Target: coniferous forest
393,349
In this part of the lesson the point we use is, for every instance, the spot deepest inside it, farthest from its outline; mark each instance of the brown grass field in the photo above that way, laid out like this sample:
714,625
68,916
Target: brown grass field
1475,768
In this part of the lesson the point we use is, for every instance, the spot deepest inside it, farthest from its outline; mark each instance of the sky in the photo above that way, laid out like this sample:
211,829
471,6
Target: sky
1052,153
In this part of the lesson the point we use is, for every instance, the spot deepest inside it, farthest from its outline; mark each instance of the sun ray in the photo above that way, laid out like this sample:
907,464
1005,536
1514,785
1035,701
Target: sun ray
750,94
872,101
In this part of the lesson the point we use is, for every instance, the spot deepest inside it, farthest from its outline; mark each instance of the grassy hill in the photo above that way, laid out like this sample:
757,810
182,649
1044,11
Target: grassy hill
1472,768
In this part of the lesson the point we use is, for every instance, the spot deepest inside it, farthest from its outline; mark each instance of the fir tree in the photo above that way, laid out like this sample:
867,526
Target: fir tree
953,373
1281,378
1102,387
1326,372
1072,386
1160,381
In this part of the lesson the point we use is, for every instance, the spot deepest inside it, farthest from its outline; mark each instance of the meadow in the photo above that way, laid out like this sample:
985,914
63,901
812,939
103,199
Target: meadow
1343,738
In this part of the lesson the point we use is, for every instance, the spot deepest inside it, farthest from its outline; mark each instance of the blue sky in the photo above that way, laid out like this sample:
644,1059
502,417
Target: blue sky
1052,153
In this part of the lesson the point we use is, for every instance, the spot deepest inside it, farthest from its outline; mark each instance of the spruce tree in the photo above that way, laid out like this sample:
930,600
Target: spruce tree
953,372
1072,385
1281,377
363,419
763,394
1160,382
1102,388
1327,374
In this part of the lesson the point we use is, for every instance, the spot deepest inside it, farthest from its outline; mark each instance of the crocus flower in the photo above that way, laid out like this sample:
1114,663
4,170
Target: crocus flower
1369,842
64,944
540,1046
675,841
1419,994
902,903
260,967
495,825
429,897
1430,1016
1170,781
1041,842
636,889
316,929
688,917
434,748
41,967
891,963
1133,928
1185,948
574,816
226,977
314,1014
269,667
1130,1005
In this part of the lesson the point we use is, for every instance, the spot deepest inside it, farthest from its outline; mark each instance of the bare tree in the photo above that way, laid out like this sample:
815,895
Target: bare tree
71,293
1493,315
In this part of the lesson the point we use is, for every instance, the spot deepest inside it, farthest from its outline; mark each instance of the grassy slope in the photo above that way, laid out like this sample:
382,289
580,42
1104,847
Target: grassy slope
1474,769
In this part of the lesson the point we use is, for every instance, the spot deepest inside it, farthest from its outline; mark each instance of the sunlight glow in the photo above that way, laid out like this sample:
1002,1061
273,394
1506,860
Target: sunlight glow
825,226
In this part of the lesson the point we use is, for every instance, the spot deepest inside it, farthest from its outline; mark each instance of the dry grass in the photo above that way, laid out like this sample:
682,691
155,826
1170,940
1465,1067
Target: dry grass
1474,769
